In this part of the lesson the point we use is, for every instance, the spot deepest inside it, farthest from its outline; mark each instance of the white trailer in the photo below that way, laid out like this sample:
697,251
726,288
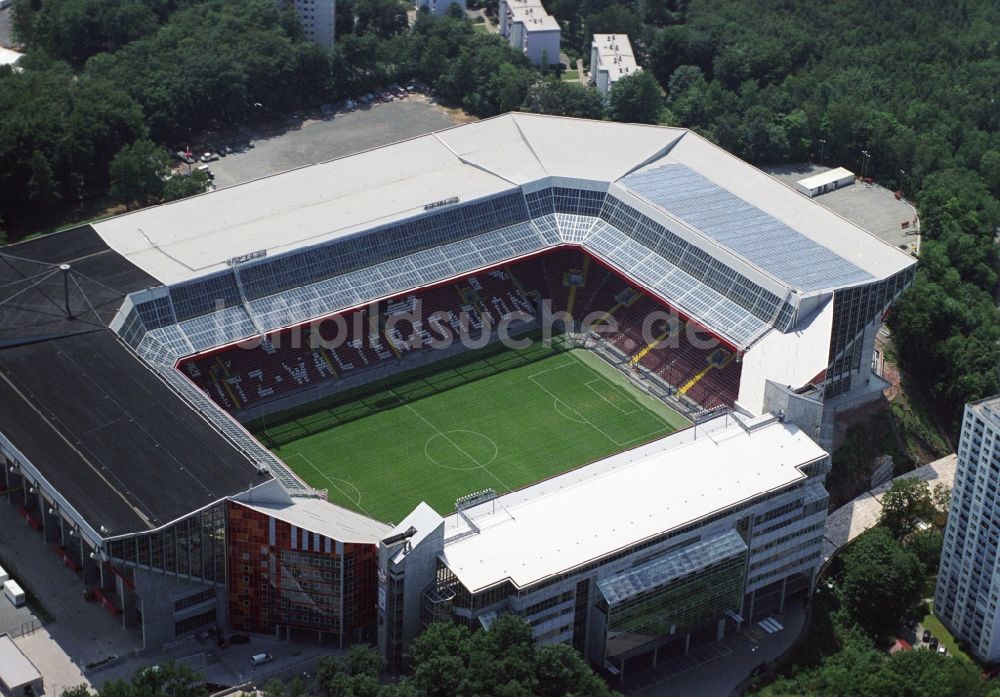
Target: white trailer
4,576
14,592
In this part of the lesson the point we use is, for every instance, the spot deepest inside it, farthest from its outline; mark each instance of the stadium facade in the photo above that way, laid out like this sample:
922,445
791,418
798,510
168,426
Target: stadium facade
129,456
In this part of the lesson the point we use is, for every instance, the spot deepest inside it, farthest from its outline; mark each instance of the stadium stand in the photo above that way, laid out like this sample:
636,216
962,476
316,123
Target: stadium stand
293,360
298,358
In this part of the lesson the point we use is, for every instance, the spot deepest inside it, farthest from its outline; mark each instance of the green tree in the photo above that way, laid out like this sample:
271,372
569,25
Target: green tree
636,99
560,670
501,661
78,691
363,660
384,18
274,688
326,673
42,187
549,95
137,173
907,504
403,688
180,186
881,582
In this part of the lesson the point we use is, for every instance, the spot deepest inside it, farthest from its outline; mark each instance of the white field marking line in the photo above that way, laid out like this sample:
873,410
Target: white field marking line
549,370
496,449
601,380
443,435
334,483
555,405
637,398
585,420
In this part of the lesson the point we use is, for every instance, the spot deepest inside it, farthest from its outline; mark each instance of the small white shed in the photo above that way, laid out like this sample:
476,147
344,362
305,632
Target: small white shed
825,181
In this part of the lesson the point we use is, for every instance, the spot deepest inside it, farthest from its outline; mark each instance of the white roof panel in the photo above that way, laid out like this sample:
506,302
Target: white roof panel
16,669
538,532
596,150
827,177
307,206
323,518
192,237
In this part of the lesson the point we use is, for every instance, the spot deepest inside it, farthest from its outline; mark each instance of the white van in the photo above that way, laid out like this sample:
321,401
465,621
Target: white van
4,576
14,593
260,658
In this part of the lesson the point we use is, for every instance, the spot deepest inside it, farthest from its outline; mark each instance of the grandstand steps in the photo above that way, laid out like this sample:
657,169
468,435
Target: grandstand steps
649,347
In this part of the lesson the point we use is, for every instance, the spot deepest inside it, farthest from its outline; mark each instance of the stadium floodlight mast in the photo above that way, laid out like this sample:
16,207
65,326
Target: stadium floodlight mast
822,146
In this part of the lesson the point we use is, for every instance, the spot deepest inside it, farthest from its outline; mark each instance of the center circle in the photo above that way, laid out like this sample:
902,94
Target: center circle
461,449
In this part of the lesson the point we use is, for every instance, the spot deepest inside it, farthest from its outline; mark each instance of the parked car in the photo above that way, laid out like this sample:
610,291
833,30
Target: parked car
927,636
942,650
261,658
185,157
933,643
209,157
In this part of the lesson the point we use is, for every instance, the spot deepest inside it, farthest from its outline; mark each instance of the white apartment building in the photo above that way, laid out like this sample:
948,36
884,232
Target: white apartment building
318,18
528,27
968,586
611,59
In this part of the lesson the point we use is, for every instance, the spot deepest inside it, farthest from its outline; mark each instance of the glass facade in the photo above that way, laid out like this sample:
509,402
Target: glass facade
679,592
193,547
853,310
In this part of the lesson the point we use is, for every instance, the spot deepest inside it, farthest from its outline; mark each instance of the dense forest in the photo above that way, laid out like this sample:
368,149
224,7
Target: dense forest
913,84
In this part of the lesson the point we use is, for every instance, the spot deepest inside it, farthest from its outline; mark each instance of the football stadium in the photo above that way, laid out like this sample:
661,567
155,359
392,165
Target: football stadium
580,371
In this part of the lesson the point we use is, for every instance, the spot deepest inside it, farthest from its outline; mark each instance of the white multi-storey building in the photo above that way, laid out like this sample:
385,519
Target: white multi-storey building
611,59
528,27
691,536
318,18
968,586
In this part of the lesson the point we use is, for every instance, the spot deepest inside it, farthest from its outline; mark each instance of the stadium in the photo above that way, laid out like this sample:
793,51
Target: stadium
580,371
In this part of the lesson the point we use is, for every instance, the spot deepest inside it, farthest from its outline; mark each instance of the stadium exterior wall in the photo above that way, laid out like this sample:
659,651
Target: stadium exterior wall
285,578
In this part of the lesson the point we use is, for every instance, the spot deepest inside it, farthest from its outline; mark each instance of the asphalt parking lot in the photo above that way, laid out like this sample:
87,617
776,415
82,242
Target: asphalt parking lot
320,139
871,207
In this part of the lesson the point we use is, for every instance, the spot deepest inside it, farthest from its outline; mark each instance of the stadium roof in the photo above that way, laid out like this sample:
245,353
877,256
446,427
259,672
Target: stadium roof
537,532
40,299
125,451
194,237
318,516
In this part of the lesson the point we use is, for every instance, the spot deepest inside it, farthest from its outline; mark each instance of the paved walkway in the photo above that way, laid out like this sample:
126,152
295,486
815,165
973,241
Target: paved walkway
81,632
852,519
716,670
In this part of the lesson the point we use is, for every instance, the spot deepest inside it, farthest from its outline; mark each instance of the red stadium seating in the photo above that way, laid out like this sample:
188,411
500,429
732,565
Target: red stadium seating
238,377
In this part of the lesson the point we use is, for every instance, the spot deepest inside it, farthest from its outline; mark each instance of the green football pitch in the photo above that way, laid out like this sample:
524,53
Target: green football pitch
494,418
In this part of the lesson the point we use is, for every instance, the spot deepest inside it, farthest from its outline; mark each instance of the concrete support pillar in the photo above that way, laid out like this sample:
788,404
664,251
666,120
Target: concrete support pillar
687,643
720,630
781,602
656,656
51,523
91,569
749,617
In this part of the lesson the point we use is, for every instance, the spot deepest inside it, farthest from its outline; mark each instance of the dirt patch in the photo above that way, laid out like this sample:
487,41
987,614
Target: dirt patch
456,114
